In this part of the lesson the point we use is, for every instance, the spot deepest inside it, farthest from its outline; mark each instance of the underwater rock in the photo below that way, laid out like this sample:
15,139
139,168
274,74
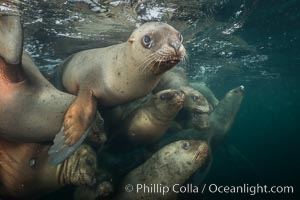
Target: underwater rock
94,5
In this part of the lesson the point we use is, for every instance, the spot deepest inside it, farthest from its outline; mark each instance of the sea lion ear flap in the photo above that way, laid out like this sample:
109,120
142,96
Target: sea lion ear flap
11,38
131,39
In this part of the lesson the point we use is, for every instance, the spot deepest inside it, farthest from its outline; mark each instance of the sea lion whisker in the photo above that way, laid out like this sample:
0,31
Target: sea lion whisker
196,156
157,68
185,59
155,57
146,66
147,61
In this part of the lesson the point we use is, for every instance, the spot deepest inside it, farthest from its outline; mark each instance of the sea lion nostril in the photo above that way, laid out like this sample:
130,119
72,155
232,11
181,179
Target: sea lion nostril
176,45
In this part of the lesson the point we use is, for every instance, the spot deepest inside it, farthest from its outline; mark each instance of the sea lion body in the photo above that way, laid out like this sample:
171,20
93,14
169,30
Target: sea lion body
31,110
173,79
113,81
115,75
172,164
25,172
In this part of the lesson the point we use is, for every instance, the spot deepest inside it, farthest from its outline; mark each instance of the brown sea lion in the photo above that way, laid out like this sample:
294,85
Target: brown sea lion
195,110
150,121
31,109
25,172
116,74
211,98
167,169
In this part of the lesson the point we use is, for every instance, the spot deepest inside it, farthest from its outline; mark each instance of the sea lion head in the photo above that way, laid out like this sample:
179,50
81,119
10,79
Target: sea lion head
195,101
232,99
186,155
168,102
224,114
196,104
200,121
157,47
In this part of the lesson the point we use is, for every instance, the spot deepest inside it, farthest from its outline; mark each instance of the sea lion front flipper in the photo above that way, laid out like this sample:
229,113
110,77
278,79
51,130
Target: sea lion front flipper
11,38
76,127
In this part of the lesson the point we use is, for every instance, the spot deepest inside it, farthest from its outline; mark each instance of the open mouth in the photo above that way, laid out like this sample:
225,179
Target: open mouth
199,109
169,62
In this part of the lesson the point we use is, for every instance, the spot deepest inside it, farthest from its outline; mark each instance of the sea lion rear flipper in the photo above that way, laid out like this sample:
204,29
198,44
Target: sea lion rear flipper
76,127
11,37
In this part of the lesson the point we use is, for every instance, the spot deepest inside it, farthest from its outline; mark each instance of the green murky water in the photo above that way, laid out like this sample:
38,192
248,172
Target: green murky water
254,43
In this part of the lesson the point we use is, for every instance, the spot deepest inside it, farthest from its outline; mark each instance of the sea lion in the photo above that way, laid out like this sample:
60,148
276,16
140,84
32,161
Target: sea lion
25,171
206,91
31,109
171,165
116,74
195,110
150,121
102,191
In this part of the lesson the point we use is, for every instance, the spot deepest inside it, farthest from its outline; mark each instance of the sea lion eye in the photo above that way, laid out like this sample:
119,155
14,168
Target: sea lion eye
186,146
196,98
167,96
147,41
